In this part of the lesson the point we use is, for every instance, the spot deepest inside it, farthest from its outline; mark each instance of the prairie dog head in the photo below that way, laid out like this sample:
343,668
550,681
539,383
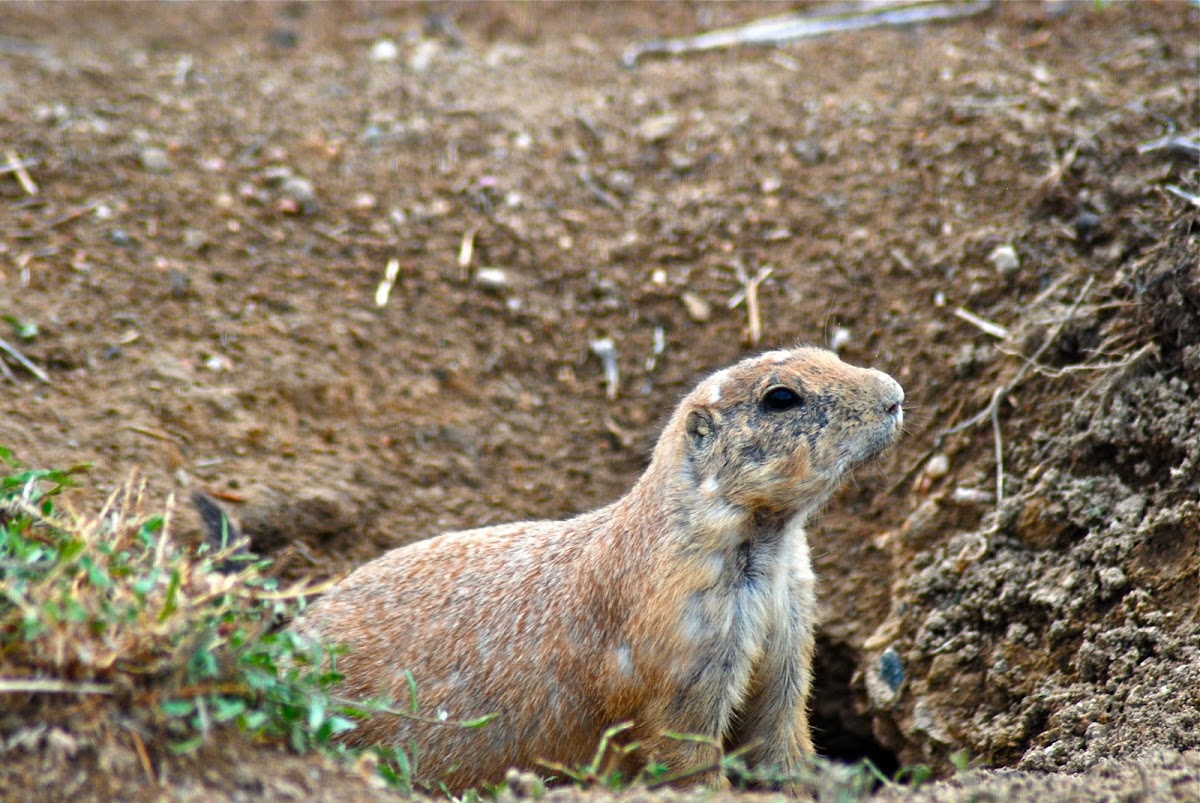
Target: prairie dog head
778,433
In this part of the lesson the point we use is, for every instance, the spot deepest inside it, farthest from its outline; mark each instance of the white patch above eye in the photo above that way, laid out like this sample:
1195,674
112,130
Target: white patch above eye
778,357
715,382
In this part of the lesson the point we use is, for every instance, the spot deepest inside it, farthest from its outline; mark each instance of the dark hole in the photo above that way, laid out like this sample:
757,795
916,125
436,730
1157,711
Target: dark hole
839,731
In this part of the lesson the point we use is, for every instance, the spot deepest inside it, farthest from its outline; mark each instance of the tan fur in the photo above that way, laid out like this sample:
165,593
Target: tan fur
686,606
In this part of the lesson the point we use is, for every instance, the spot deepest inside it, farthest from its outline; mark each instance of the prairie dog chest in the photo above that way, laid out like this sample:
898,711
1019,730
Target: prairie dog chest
749,593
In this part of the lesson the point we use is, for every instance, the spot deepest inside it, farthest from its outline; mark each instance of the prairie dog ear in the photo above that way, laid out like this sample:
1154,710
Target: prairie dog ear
701,427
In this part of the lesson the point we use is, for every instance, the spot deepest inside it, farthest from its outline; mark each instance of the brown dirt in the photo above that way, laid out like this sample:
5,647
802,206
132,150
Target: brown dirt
209,322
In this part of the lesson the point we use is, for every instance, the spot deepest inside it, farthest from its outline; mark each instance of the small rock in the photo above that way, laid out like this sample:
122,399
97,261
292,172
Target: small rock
384,50
891,668
154,160
283,38
698,309
1004,258
60,742
194,239
655,129
1112,580
972,496
300,191
217,363
178,282
808,151
937,467
1086,224
839,339
423,55
491,278
120,237
966,361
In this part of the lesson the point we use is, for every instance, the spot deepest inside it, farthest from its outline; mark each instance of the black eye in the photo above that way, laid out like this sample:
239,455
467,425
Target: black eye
780,398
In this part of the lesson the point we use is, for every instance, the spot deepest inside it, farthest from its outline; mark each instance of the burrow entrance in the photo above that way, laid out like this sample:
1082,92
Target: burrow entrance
839,731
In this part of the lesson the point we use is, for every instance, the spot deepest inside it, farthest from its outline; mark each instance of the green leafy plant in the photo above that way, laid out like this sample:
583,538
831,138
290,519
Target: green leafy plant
109,604
26,330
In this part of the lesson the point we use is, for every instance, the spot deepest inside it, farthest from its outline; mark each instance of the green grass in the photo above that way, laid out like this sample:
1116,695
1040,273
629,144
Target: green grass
109,605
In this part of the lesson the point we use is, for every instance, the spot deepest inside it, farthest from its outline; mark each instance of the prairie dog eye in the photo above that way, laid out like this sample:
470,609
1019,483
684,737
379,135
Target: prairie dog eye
779,398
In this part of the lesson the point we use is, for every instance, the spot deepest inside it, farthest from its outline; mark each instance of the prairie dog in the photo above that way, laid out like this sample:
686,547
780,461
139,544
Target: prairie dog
687,606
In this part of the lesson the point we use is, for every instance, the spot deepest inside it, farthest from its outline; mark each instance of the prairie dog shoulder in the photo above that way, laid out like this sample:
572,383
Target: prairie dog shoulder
686,606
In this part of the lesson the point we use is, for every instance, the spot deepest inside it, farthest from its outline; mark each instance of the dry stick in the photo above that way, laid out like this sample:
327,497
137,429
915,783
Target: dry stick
11,351
982,324
12,167
50,686
23,177
992,411
752,312
153,433
139,747
1179,192
75,213
777,30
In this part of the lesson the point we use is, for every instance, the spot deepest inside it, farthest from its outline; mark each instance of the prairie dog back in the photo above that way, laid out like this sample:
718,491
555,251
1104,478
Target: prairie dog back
687,606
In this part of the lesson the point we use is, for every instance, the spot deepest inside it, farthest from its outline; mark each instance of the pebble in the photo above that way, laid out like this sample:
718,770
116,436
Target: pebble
1086,224
218,362
658,128
423,55
491,278
284,38
194,239
972,496
301,191
1004,258
891,668
384,50
840,339
120,237
698,309
154,160
937,467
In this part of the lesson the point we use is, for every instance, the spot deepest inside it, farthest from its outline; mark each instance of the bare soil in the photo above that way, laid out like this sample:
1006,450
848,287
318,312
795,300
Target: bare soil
219,189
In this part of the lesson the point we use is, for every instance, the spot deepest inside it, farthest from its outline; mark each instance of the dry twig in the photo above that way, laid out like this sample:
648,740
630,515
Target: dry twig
982,324
17,166
50,686
791,27
992,410
749,294
11,351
